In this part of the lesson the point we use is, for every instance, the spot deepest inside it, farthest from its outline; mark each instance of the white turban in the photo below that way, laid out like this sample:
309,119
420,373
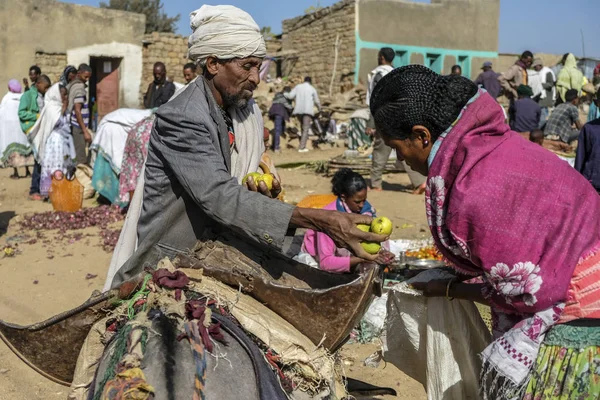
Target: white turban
224,32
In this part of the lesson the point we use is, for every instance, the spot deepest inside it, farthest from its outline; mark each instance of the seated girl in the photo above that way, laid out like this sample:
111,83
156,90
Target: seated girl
320,250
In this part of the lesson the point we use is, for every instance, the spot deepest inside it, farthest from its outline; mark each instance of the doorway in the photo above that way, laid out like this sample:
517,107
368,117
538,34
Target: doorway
104,87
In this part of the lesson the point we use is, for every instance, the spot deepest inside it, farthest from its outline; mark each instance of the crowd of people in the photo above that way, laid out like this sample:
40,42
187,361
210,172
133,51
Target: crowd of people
543,98
46,127
45,130
459,146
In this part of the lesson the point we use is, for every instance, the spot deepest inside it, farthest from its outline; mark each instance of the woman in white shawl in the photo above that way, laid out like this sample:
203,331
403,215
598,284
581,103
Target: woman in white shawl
51,137
14,148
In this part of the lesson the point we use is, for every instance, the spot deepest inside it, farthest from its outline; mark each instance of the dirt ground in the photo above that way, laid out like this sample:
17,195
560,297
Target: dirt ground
36,285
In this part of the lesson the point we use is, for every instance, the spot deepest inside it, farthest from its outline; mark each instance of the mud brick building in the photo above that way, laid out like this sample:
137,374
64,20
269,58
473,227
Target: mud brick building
438,34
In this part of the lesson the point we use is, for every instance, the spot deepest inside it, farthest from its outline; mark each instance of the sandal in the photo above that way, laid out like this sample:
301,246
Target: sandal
420,190
36,197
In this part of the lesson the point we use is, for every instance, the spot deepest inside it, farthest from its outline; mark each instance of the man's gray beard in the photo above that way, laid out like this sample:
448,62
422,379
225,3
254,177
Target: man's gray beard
235,101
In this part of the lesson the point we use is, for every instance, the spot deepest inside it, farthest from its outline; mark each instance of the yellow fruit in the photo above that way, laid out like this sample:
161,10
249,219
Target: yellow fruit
382,226
267,179
364,227
253,175
371,247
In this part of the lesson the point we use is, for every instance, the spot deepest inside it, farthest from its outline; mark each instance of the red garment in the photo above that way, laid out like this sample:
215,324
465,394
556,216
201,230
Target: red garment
171,280
583,296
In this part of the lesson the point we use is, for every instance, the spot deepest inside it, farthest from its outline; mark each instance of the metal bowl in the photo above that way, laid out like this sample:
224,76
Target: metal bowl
425,264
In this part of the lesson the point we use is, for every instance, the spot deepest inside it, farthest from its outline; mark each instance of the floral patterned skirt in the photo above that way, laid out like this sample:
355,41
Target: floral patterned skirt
136,150
568,365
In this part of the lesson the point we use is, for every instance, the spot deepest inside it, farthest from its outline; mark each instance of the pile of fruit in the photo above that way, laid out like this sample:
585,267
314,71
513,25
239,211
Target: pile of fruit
381,226
425,253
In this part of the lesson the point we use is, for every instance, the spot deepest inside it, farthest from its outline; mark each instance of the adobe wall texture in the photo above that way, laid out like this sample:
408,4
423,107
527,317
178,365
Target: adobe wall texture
313,38
169,48
456,30
53,64
448,24
52,27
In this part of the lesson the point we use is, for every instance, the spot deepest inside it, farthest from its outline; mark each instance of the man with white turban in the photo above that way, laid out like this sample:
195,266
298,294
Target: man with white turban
204,141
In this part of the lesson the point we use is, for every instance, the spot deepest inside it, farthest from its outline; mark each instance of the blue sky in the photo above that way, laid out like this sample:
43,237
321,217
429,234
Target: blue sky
549,26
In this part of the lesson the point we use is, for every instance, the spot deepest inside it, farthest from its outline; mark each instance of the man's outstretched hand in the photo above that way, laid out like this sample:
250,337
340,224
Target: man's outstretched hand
341,227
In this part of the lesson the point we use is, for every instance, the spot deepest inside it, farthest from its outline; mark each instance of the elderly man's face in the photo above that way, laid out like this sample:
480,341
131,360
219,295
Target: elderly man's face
237,79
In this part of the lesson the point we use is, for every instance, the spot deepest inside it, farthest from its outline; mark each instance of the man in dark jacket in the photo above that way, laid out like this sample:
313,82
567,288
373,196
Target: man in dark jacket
524,113
280,112
159,91
488,79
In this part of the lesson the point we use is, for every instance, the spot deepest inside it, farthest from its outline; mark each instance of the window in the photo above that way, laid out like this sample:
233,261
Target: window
465,64
401,59
434,61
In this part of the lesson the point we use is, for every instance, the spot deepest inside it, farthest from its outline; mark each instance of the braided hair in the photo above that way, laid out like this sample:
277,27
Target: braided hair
415,95
347,182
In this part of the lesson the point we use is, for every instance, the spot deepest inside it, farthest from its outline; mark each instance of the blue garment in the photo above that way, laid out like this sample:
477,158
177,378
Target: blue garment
594,112
367,207
588,153
279,129
524,115
438,141
105,180
544,117
35,179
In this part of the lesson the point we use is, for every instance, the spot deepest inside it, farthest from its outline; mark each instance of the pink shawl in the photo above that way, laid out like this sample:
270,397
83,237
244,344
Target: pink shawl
510,211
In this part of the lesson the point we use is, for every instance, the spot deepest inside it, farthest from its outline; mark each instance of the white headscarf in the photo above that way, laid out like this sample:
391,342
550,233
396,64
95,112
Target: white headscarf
51,113
224,32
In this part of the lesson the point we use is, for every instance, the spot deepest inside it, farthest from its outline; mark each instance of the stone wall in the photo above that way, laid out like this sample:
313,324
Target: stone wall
312,37
172,50
51,64
169,48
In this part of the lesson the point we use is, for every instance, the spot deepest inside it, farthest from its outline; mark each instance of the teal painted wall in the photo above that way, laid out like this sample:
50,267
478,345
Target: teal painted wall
434,57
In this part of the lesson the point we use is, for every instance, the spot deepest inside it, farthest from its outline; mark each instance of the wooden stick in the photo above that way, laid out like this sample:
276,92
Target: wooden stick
335,60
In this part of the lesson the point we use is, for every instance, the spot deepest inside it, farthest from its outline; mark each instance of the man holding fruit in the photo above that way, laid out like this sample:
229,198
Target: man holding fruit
204,141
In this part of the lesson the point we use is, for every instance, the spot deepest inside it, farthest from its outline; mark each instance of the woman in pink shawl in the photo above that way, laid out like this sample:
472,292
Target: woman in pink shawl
512,214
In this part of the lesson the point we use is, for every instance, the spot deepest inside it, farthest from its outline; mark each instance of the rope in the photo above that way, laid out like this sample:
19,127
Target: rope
193,334
143,292
118,353
122,337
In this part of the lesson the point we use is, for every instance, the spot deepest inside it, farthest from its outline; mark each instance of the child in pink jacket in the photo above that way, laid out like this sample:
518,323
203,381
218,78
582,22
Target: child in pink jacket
351,191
